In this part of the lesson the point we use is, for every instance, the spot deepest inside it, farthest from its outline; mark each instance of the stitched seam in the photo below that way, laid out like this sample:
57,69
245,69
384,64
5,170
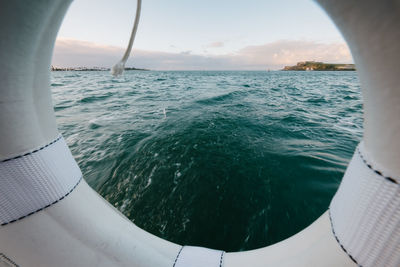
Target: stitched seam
34,151
177,256
54,202
8,259
220,260
390,179
337,239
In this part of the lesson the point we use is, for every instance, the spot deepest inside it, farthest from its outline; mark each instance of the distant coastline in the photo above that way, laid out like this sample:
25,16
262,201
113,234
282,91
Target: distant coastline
320,66
53,68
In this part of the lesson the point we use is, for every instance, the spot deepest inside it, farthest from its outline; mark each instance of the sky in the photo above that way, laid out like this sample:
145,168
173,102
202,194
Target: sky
199,35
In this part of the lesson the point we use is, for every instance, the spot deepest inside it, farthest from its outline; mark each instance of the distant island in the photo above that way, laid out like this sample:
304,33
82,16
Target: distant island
89,69
320,66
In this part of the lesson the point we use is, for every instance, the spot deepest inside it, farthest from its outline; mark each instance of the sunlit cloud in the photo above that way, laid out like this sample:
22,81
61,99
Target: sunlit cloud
287,52
275,55
215,45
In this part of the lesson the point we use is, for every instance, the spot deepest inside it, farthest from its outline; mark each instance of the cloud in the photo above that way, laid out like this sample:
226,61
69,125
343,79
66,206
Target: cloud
275,55
288,52
75,53
188,52
215,45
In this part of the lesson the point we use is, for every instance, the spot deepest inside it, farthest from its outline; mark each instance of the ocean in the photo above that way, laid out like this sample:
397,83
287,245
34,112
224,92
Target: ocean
231,160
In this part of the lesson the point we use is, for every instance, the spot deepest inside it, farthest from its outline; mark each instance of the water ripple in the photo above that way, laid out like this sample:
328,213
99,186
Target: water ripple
228,160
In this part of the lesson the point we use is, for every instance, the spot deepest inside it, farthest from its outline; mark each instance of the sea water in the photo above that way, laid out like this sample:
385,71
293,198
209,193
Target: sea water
224,159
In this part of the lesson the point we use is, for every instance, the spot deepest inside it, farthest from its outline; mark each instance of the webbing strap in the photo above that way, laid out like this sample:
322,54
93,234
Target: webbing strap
365,213
36,180
190,256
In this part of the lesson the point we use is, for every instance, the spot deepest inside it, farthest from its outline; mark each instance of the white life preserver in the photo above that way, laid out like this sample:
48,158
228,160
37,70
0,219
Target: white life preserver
49,216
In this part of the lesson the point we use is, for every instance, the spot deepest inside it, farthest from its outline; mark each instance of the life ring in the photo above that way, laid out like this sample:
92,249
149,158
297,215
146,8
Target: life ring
49,216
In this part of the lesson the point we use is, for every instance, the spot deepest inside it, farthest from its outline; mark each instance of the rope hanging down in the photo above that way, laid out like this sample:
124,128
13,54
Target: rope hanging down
118,68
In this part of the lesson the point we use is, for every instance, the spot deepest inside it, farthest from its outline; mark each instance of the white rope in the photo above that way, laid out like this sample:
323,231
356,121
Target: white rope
118,68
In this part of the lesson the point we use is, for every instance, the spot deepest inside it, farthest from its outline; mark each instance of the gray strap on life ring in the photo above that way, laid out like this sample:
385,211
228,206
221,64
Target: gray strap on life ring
365,212
190,256
36,180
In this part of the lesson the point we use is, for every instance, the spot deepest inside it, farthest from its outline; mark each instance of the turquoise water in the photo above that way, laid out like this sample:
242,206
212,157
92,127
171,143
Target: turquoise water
227,160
